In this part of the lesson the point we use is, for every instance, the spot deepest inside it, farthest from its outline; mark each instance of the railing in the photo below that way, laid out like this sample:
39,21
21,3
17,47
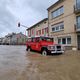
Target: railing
77,8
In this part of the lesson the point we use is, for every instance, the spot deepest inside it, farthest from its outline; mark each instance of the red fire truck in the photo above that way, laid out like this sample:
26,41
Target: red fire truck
45,45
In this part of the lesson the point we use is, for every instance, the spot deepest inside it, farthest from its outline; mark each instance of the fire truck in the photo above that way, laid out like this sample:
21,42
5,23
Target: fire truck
44,45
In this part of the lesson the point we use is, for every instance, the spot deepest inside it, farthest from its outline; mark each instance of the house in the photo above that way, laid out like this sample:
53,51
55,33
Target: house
14,39
18,39
39,29
64,23
1,40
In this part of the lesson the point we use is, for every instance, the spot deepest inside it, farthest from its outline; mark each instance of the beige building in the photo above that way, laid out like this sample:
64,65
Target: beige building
39,29
64,23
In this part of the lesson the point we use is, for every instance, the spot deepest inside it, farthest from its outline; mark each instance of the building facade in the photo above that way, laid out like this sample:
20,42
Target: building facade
64,23
39,29
1,40
18,39
14,39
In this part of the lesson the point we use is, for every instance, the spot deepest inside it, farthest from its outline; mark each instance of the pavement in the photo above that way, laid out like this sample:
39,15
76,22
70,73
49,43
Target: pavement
17,64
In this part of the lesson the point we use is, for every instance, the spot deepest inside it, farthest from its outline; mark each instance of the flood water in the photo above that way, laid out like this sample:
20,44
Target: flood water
13,61
18,64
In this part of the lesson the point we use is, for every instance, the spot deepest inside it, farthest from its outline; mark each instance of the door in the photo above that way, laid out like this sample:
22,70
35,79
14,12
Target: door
33,44
78,38
38,46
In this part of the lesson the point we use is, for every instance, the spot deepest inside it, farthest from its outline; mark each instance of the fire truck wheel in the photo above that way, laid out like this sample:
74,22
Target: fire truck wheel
44,52
28,49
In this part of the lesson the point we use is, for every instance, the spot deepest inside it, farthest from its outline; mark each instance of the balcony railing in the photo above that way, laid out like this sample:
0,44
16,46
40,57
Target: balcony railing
77,8
77,27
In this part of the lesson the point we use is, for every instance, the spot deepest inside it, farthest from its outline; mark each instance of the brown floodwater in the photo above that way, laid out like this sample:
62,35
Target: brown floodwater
13,61
18,64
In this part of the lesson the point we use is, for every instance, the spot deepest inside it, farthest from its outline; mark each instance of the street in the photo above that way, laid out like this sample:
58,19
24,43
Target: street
17,64
13,61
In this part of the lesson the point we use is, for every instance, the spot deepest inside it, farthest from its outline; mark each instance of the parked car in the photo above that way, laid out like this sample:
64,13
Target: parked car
45,45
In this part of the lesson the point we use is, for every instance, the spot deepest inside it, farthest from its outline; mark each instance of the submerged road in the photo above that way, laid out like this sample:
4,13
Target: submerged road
18,64
13,61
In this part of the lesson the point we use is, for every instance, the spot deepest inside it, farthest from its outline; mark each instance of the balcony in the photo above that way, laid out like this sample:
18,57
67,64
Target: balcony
77,27
77,8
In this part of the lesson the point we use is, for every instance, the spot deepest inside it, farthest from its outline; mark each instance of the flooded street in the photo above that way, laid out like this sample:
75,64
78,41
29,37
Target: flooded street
17,64
13,61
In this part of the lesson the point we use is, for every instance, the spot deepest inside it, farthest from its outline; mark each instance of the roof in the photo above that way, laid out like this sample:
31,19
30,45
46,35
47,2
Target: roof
38,23
56,3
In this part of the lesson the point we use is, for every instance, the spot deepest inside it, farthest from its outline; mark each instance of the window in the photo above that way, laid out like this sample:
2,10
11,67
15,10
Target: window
36,32
29,33
68,40
29,40
77,1
47,39
58,12
32,31
54,14
78,19
37,39
42,31
61,26
64,41
32,39
46,30
39,32
78,22
59,41
45,22
61,10
58,27
53,29
78,4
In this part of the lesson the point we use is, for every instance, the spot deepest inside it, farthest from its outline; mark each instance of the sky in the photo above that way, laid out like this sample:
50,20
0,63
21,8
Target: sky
27,12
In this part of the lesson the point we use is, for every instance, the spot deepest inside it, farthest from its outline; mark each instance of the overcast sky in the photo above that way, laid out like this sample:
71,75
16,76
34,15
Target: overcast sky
28,12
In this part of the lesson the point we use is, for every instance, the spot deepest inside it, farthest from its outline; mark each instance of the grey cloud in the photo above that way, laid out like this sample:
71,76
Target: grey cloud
7,20
40,5
27,12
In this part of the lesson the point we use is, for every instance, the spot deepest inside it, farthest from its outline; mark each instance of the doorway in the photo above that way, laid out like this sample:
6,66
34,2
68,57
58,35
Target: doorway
78,38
